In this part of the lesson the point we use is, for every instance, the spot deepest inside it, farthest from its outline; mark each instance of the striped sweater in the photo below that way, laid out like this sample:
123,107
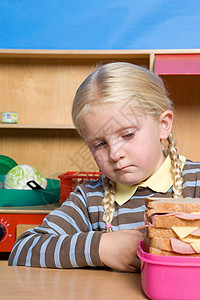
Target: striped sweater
69,236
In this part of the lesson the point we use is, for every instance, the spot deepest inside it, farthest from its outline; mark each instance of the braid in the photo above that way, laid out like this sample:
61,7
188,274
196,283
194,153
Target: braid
108,202
176,167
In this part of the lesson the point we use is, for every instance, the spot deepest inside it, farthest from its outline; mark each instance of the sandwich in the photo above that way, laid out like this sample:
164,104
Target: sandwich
173,226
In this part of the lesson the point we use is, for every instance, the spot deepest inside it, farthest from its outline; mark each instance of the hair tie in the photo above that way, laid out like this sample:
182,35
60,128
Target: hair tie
108,225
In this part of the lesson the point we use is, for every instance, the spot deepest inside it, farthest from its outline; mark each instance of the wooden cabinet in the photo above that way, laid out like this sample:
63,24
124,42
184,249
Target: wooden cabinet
181,74
40,85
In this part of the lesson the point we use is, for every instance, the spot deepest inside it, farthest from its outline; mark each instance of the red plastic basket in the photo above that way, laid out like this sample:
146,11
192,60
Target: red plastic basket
70,180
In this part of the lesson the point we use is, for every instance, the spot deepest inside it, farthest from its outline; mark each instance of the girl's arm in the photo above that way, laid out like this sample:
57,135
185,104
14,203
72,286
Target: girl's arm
64,240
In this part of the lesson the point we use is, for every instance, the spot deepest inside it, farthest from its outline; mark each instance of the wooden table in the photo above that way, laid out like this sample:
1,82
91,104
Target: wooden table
81,284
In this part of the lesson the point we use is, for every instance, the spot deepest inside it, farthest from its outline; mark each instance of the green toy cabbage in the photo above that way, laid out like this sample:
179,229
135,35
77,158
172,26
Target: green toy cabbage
17,178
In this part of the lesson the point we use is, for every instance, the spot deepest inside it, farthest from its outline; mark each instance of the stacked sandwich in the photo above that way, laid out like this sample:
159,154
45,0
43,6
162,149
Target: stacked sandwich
174,226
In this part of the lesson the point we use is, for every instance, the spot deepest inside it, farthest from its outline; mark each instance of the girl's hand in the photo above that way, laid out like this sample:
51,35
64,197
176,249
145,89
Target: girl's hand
118,250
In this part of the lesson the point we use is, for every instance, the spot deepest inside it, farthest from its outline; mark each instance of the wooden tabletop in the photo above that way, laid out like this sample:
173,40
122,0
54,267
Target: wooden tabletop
73,284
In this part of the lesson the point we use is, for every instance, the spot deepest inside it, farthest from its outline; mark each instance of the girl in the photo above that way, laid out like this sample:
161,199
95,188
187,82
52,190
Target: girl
123,113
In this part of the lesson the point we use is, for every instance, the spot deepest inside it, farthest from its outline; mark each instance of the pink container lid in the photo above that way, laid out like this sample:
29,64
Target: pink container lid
168,260
169,277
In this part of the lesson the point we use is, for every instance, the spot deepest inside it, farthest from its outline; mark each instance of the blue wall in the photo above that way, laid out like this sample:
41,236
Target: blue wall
99,24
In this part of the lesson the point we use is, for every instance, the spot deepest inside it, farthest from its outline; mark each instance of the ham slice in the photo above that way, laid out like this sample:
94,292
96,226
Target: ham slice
147,220
180,215
196,232
187,216
181,247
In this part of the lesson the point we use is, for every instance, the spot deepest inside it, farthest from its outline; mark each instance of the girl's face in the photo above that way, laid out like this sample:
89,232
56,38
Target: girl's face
126,146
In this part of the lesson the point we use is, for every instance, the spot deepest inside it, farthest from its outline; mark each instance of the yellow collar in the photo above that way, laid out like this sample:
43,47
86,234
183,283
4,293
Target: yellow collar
159,182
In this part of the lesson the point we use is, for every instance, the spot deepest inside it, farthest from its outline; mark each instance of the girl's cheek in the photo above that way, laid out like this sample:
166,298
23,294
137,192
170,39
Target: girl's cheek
100,158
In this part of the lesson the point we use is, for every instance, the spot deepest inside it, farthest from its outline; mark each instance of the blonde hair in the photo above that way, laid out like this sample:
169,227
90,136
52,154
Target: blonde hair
132,85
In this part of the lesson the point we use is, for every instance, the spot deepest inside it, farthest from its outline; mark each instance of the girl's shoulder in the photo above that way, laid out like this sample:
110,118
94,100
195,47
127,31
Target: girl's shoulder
93,184
87,192
191,179
191,171
90,188
191,165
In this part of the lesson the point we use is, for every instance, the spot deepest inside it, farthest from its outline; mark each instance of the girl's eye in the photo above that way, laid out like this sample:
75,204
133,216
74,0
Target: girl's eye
128,135
99,145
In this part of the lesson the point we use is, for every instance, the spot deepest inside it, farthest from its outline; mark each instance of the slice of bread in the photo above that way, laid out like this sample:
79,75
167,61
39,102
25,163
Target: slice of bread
168,253
171,205
158,243
160,232
162,243
167,221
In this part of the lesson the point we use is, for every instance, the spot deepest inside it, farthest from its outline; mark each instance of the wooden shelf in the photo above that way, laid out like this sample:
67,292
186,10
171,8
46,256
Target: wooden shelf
36,126
40,86
75,53
90,53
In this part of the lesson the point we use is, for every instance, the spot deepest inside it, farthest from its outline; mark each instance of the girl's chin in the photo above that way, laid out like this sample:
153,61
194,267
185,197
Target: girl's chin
128,182
128,179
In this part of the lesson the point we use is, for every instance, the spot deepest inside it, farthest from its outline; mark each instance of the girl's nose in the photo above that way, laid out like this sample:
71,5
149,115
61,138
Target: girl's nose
114,156
116,152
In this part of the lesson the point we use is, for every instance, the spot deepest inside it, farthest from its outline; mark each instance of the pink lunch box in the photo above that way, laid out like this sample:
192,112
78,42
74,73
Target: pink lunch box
169,277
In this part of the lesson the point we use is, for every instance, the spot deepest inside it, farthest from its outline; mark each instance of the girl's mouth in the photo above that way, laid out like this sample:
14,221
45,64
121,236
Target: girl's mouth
125,168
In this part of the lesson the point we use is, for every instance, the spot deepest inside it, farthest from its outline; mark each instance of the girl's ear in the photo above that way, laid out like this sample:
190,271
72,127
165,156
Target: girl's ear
166,121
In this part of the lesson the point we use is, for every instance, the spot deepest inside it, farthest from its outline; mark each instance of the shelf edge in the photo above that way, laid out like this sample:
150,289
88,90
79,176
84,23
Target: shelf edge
36,126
